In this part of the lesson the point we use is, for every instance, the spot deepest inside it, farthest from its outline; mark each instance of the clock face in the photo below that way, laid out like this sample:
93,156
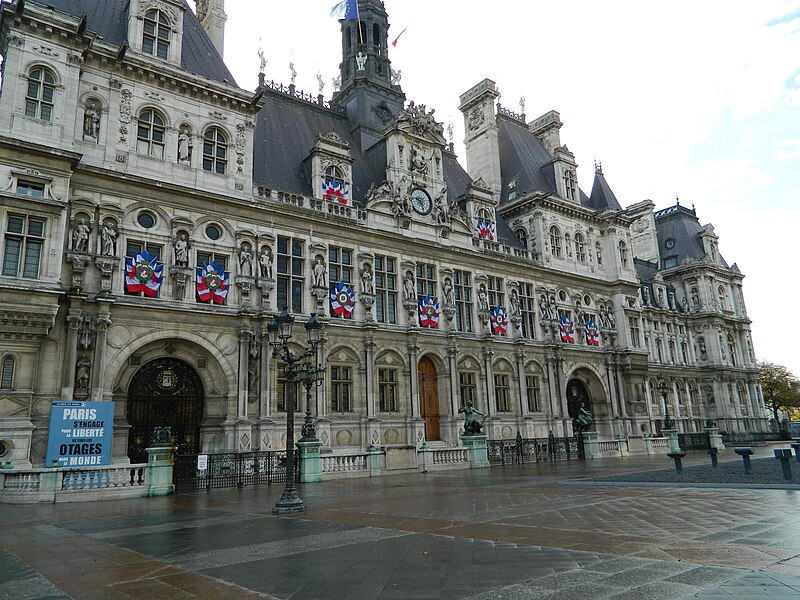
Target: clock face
420,201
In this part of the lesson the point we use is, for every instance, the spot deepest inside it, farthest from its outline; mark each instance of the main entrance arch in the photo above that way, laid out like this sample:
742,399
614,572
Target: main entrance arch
577,394
429,397
165,392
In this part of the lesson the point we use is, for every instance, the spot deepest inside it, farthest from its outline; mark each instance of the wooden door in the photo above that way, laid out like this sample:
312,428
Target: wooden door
429,398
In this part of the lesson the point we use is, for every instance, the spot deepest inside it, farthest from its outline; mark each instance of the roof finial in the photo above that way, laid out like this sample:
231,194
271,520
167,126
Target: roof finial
598,167
677,201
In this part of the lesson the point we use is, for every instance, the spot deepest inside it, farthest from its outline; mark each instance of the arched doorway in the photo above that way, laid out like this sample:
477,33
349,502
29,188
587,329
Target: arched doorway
165,392
429,398
577,394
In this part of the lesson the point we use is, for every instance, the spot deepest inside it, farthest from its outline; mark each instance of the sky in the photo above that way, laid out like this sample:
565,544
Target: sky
698,101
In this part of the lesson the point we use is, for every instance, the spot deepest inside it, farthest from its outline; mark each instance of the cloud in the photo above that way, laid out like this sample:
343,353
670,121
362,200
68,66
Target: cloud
787,18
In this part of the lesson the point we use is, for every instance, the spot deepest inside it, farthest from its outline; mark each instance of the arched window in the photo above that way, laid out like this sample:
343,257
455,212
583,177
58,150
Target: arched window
623,254
40,95
7,373
732,349
570,184
150,134
555,241
580,248
522,236
156,35
215,151
376,37
723,298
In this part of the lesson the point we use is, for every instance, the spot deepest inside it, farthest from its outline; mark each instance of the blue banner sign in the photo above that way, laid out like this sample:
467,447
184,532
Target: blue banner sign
80,434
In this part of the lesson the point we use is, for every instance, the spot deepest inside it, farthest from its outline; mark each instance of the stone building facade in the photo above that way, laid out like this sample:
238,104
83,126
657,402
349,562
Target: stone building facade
155,217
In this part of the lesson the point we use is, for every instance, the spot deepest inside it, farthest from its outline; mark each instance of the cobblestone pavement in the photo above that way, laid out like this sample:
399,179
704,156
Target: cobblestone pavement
509,532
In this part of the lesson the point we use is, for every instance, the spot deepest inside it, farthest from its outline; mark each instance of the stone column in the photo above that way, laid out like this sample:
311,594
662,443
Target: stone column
265,381
413,351
98,377
369,345
519,355
612,391
620,387
244,345
488,353
552,387
70,353
455,384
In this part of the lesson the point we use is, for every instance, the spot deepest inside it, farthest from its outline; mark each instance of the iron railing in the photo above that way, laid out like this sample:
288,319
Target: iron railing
229,469
694,441
522,450
749,438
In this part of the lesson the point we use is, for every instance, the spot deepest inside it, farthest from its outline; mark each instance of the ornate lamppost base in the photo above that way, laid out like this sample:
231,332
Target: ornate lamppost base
290,502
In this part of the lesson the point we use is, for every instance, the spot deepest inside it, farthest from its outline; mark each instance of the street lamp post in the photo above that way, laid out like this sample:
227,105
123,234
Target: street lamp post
280,332
662,388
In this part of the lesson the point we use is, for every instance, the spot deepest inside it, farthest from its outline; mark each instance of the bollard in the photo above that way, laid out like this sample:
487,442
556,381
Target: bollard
783,455
796,448
745,453
713,452
677,456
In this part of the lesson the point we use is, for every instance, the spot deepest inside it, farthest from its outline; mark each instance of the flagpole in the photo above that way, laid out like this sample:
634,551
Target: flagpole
358,20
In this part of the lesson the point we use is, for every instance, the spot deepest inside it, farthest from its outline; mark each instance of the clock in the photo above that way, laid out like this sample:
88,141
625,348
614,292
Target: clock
421,202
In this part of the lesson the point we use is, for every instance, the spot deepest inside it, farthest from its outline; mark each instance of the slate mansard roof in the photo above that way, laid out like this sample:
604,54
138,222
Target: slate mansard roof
108,19
681,224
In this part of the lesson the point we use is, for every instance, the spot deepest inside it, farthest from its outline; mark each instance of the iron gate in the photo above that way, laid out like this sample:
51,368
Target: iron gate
694,441
521,450
229,469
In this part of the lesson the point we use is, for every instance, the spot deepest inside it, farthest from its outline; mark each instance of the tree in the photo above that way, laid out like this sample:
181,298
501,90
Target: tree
780,388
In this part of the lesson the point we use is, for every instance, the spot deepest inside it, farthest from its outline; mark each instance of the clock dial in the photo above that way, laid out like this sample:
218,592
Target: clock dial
421,202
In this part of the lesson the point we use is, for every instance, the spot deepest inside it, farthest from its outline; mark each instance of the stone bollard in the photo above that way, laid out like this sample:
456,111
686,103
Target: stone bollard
784,455
713,452
796,448
745,453
677,456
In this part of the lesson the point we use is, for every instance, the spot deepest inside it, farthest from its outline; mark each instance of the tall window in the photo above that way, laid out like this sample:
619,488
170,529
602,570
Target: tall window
494,286
532,389
580,248
527,307
570,184
623,254
7,373
340,267
150,133
22,249
659,352
290,274
723,298
215,151
280,392
426,280
685,353
502,392
155,38
40,95
633,329
462,292
555,241
522,236
387,390
732,350
385,289
341,389
467,387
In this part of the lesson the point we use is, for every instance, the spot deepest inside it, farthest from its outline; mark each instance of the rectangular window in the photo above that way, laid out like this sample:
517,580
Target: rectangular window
206,258
685,353
462,292
387,390
280,391
26,188
134,247
341,389
527,307
501,392
494,286
22,249
633,329
340,268
532,389
467,387
426,280
386,289
291,274
659,352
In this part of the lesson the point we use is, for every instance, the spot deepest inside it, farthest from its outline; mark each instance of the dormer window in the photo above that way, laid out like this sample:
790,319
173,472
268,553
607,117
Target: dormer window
215,151
580,248
623,254
156,35
512,189
522,236
570,184
150,134
40,94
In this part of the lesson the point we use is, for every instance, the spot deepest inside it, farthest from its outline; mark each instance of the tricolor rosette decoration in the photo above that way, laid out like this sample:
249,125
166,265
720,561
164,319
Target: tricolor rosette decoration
143,273
212,284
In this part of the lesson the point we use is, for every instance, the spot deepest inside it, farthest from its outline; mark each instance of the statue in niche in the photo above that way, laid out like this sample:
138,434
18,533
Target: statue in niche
442,208
409,289
418,162
483,299
245,261
401,203
544,308
80,236
701,343
109,240
91,122
265,264
515,309
361,61
82,371
319,274
366,280
448,295
184,147
182,251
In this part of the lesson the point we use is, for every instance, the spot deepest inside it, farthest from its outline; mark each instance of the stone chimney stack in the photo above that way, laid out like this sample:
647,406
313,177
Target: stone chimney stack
482,145
547,128
211,14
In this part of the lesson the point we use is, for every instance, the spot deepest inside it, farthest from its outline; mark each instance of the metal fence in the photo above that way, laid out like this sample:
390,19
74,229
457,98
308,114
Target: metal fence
522,450
694,441
749,438
194,472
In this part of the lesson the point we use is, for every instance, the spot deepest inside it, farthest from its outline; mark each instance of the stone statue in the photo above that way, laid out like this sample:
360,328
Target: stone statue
80,236
409,289
91,122
293,71
109,239
701,343
583,422
450,129
471,425
522,105
483,300
366,280
515,309
82,374
319,274
262,60
265,264
418,162
181,251
245,261
544,308
448,296
401,203
184,147
361,61
337,83
320,83
441,208
396,75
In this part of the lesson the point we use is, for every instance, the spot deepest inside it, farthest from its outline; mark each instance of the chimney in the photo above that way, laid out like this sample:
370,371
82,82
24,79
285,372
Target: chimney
211,14
481,142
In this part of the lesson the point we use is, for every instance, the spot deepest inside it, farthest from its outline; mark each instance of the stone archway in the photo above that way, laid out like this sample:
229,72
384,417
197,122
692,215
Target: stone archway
165,392
577,394
429,397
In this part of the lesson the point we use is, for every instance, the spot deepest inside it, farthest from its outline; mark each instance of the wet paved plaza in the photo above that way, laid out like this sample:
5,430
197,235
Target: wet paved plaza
509,532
